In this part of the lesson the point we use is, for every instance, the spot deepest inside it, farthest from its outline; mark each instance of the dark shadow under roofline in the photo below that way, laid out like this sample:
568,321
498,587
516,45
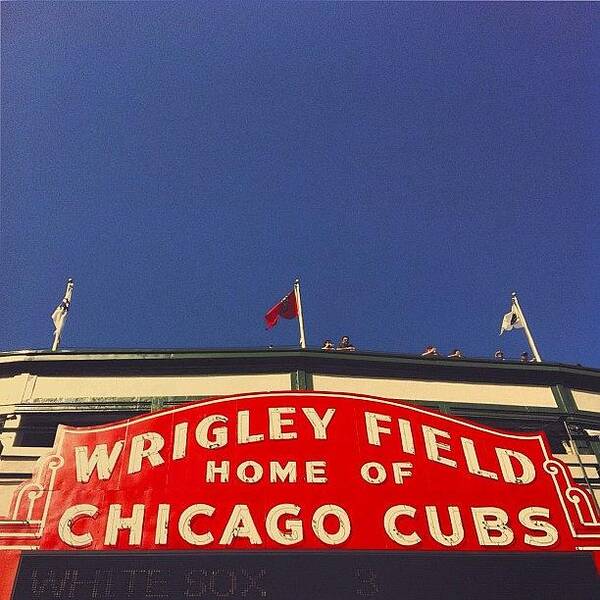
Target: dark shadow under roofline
136,362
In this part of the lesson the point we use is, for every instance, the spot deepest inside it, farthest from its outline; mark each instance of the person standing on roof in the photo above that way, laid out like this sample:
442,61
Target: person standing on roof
345,345
430,352
328,345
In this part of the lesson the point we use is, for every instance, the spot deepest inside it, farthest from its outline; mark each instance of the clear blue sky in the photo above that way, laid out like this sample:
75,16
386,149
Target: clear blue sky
411,163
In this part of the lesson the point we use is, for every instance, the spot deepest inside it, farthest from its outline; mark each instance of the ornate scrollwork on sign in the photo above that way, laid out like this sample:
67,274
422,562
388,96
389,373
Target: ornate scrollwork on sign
30,505
577,502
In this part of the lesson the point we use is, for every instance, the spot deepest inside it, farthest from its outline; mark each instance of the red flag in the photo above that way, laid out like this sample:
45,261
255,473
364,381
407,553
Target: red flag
287,308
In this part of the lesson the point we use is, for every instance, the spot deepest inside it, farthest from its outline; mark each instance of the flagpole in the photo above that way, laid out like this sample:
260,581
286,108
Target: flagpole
55,342
300,315
532,345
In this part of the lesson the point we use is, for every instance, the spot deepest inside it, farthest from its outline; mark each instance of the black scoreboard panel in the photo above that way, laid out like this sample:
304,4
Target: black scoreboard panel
305,576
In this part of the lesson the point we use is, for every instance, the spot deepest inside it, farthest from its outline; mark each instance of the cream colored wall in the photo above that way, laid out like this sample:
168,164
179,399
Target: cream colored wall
19,389
203,385
436,391
12,390
587,400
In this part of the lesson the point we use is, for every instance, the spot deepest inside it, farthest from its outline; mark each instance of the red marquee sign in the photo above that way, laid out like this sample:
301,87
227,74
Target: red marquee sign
300,471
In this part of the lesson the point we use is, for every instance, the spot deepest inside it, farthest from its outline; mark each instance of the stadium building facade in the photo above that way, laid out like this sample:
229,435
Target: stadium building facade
291,473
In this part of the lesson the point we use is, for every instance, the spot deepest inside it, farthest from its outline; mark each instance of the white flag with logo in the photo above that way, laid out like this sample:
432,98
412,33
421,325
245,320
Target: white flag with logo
62,310
511,320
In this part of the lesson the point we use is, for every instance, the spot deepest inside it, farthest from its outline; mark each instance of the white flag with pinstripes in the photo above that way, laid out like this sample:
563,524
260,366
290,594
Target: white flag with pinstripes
511,320
60,313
